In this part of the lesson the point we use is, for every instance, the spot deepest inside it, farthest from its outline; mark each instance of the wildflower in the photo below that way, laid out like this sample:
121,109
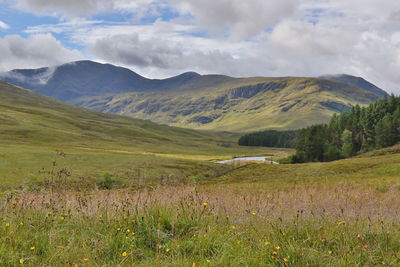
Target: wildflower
194,264
167,250
208,261
21,223
124,254
14,202
86,259
8,224
330,252
119,229
278,248
33,248
233,227
285,259
359,236
21,261
128,231
254,213
100,217
274,253
266,243
62,218
205,204
340,222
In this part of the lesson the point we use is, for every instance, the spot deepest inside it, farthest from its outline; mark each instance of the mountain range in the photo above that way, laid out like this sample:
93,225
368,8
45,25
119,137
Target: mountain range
191,100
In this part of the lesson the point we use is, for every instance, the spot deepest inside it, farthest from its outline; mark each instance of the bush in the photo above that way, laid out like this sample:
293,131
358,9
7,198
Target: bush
109,183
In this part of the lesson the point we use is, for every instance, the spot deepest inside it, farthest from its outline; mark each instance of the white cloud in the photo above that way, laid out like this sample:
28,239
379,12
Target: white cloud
4,26
237,18
69,8
33,52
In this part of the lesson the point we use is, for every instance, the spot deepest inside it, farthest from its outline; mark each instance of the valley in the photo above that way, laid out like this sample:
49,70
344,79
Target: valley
85,188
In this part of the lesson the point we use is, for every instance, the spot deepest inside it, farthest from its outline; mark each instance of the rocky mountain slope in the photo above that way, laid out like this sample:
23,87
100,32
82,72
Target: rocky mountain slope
212,102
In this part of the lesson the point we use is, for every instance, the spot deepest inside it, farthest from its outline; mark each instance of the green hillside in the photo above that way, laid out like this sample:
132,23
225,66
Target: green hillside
241,105
33,127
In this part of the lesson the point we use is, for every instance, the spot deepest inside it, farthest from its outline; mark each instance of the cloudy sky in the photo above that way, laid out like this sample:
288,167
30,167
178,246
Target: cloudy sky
160,38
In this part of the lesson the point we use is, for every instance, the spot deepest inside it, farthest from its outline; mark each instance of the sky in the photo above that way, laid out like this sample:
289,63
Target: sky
162,38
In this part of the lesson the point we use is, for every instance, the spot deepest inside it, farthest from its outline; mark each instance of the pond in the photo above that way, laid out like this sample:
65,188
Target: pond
257,159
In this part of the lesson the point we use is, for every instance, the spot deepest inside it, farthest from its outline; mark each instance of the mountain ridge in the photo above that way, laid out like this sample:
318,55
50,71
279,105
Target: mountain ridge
191,100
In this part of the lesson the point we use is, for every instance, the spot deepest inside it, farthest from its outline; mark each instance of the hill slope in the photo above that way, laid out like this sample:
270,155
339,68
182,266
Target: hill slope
212,102
255,104
30,118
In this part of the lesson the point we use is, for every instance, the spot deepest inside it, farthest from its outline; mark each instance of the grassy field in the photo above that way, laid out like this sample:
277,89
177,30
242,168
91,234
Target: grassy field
81,188
343,213
33,128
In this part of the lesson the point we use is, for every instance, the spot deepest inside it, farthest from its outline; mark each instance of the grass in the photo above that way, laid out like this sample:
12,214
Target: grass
185,226
343,213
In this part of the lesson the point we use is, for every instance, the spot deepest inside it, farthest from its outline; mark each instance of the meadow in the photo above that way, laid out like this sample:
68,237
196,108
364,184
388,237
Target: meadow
343,213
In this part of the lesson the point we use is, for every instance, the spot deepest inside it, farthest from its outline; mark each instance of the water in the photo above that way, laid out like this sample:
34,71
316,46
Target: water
257,159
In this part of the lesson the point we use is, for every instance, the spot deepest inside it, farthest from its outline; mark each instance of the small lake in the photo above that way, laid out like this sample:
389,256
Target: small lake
257,159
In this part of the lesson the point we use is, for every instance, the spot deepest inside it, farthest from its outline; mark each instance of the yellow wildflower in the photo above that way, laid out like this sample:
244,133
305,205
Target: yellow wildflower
8,224
21,261
254,213
278,248
205,204
167,250
266,243
33,248
86,259
285,259
62,218
124,254
274,253
330,252
14,202
128,231
208,261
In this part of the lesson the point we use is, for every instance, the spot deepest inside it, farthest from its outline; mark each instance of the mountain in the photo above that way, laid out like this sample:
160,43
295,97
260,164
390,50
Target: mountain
87,78
356,81
191,100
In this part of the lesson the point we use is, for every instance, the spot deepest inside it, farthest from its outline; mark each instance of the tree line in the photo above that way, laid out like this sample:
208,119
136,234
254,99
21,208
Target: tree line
358,130
270,138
